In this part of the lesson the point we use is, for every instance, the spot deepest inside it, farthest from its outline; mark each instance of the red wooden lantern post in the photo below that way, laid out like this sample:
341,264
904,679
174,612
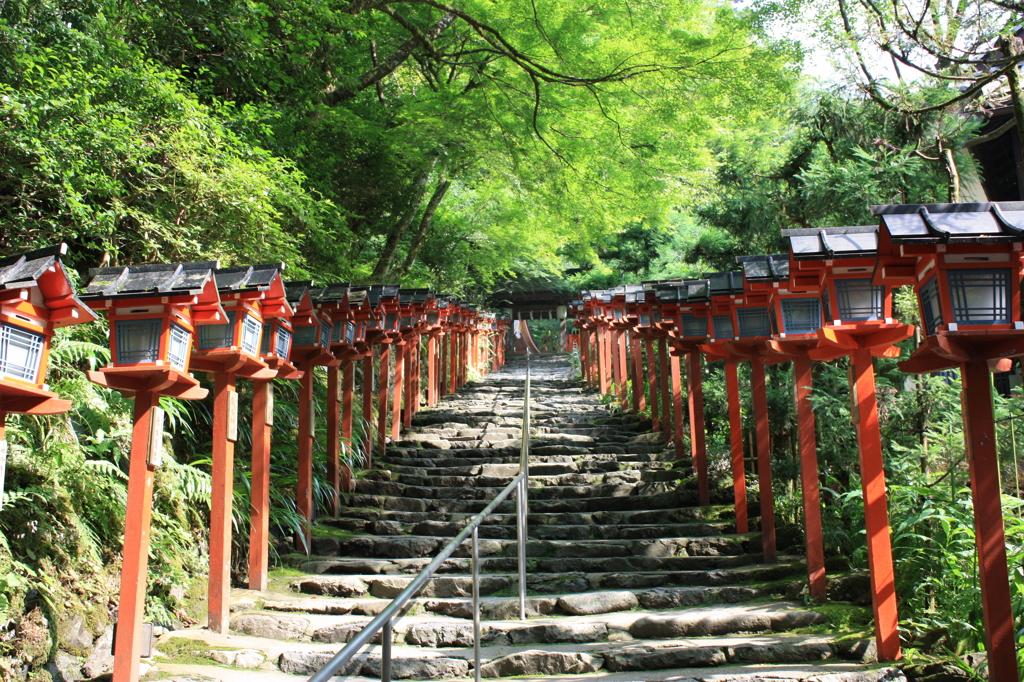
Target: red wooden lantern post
647,376
964,262
310,348
275,349
740,325
227,351
385,334
36,298
837,264
363,316
150,309
688,303
795,317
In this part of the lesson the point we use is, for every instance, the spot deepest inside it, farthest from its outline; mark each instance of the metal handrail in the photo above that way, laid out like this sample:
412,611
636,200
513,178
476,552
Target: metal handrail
383,621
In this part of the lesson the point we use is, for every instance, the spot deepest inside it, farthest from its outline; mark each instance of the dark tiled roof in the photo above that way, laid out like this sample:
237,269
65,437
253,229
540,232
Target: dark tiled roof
833,242
25,269
158,279
692,291
296,290
965,223
773,268
247,277
333,293
725,283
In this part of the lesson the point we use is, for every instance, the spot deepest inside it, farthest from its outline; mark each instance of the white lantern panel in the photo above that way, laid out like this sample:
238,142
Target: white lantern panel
21,352
138,340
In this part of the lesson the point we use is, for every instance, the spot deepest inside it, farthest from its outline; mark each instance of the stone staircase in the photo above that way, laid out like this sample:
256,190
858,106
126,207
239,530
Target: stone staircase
628,578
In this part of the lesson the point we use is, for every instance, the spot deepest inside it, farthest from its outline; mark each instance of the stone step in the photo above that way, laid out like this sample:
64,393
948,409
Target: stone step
487,488
663,500
350,566
362,520
510,456
511,469
580,531
575,582
412,477
426,543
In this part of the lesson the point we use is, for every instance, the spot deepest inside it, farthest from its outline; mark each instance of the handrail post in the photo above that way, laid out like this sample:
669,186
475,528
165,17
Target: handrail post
476,606
521,499
385,652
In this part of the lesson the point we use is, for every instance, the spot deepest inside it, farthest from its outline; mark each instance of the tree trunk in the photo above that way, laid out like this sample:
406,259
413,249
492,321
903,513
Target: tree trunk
1013,46
389,65
383,266
421,234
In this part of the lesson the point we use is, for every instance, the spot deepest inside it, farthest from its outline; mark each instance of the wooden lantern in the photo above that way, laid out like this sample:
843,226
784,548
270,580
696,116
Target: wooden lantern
740,327
964,262
36,298
837,264
152,310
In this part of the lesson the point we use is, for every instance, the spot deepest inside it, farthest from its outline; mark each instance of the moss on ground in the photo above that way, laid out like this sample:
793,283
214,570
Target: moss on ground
185,651
854,622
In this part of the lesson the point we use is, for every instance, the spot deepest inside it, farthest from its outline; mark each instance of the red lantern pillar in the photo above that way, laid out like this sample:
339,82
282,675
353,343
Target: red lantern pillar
802,377
382,398
367,412
666,392
304,484
677,407
225,432
639,400
739,473
132,599
876,513
652,383
259,511
602,361
698,445
334,433
764,461
401,349
431,370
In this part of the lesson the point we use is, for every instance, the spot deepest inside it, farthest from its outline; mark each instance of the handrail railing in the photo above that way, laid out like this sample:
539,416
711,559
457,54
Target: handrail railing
384,620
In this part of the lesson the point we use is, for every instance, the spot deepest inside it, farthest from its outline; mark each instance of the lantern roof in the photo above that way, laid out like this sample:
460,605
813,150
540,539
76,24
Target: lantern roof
339,292
407,296
152,280
693,291
725,283
952,223
774,268
833,242
42,268
378,292
299,290
247,277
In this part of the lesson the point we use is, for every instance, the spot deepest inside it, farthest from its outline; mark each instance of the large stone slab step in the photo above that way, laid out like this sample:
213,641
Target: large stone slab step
664,500
356,519
567,582
426,543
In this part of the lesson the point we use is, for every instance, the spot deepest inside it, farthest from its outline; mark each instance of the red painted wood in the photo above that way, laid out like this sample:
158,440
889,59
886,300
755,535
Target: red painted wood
221,500
431,370
259,489
348,384
666,392
304,491
677,407
639,399
621,368
652,383
367,412
876,512
698,444
602,360
764,459
739,474
980,437
453,358
128,641
334,433
398,391
813,540
382,399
